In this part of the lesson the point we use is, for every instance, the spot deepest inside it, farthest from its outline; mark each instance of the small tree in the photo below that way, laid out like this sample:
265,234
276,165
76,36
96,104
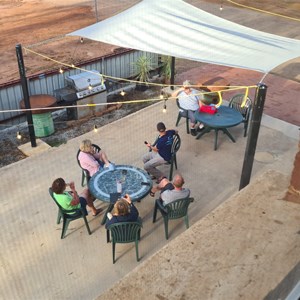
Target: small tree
143,66
166,68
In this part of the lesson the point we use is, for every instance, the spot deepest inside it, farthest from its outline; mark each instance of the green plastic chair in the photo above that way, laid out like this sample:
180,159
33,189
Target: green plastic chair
174,210
68,216
85,176
182,113
123,233
175,147
235,102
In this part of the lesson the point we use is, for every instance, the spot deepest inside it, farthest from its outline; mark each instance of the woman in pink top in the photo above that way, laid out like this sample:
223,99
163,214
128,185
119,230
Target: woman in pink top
91,160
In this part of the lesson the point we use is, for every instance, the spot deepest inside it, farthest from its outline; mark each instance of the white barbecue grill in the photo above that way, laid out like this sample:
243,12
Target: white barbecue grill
82,88
86,83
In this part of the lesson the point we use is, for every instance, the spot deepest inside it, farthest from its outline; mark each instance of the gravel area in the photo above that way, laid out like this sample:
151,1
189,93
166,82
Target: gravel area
66,130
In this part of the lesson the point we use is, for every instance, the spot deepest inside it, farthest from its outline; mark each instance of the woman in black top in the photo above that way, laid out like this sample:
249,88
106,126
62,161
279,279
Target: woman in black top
124,211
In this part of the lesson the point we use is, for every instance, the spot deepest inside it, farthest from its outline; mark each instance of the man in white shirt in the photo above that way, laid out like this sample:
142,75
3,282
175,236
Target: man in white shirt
190,100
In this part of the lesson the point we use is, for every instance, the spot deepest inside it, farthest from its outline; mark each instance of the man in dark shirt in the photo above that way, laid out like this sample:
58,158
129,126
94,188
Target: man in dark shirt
160,152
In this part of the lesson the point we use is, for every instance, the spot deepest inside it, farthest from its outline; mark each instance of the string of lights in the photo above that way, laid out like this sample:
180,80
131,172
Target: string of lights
72,66
160,98
56,38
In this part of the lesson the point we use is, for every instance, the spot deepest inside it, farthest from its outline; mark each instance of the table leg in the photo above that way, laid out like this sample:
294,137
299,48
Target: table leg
228,134
205,130
109,209
216,139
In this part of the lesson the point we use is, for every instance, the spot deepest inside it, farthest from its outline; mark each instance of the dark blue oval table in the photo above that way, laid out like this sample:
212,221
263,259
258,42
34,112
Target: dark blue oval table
226,117
135,182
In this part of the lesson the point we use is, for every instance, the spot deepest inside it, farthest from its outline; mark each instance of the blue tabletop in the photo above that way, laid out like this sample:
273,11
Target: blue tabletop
224,118
104,182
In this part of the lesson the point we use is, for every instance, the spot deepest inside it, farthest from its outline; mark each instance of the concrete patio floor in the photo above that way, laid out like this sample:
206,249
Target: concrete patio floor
37,264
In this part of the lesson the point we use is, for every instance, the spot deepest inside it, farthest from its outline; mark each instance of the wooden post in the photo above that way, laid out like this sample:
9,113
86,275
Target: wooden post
172,79
258,108
25,94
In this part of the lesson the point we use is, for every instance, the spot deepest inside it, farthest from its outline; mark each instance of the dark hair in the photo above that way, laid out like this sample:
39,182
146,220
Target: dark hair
58,186
161,127
215,101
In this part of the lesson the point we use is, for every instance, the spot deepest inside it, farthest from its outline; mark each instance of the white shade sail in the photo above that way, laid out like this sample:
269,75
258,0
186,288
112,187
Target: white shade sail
175,28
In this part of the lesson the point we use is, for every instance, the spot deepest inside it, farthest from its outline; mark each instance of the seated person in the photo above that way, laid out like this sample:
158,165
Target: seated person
71,200
123,211
160,153
189,99
91,160
162,186
169,195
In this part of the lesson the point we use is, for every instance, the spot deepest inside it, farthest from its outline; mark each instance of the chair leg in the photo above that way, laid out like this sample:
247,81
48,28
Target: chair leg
186,220
65,227
166,227
87,225
82,178
178,119
175,161
187,126
107,236
58,217
171,170
137,250
154,213
113,251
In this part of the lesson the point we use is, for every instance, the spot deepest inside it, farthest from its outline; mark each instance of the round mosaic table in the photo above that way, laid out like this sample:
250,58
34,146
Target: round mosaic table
105,185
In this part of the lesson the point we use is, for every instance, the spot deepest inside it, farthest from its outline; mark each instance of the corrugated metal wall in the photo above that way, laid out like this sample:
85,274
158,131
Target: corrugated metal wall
119,65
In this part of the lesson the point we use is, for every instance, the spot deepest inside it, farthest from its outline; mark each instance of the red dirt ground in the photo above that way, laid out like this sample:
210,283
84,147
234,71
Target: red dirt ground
29,22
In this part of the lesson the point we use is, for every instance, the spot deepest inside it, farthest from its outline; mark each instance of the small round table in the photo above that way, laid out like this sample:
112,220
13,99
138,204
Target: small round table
225,117
134,182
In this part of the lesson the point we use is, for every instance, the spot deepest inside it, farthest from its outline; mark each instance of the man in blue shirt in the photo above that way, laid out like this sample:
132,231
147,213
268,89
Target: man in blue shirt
160,152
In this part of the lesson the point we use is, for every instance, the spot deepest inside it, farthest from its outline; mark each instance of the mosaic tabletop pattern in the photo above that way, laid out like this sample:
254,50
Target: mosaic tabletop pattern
133,181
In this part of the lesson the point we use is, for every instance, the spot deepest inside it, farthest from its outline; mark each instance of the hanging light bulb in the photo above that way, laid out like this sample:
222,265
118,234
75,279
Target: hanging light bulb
165,107
95,128
90,87
61,70
122,93
81,40
221,7
19,136
161,96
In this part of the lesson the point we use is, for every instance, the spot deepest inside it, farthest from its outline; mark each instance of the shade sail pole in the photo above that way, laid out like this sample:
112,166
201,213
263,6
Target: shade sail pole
25,94
172,79
258,108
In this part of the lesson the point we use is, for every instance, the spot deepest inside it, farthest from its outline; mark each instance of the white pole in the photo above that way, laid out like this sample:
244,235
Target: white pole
96,10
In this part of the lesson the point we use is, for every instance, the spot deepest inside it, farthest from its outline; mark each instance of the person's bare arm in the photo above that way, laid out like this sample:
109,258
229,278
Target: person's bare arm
75,200
175,94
